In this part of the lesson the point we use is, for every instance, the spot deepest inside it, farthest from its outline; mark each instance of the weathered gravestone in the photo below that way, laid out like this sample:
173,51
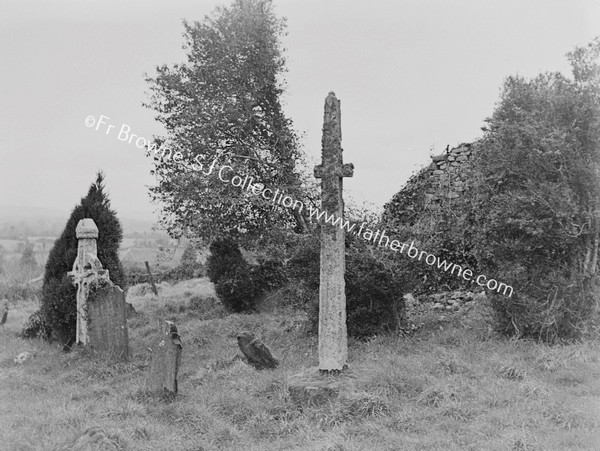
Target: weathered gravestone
315,385
4,312
101,306
255,351
166,359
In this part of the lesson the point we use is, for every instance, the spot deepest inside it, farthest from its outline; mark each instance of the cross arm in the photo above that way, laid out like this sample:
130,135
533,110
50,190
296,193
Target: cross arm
346,170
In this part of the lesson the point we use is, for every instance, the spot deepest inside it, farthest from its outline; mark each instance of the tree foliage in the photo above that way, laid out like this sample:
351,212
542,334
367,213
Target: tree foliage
224,105
537,220
59,303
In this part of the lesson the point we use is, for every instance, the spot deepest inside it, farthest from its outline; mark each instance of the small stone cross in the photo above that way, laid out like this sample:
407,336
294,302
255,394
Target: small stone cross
333,338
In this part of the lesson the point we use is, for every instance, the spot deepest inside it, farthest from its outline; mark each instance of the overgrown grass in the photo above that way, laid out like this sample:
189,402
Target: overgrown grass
447,387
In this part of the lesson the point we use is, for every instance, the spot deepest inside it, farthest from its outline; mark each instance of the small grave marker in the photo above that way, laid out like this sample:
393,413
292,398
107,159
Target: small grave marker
166,359
255,351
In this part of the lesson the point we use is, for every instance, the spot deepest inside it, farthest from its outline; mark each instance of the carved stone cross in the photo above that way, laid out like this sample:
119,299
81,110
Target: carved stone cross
333,338
86,269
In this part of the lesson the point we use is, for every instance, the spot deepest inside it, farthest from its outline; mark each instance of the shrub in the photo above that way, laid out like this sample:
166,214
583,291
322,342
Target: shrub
374,295
36,327
235,288
60,310
224,254
238,283
229,271
268,275
189,266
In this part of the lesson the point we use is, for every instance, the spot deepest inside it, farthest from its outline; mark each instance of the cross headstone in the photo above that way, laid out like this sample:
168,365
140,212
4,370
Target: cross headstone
86,269
166,359
101,306
333,338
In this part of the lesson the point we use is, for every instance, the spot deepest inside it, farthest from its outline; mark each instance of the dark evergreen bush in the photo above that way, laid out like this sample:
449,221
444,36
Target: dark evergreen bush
238,283
230,272
224,254
59,303
236,289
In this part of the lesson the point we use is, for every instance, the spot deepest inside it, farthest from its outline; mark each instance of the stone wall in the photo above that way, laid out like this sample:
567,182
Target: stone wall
442,183
449,177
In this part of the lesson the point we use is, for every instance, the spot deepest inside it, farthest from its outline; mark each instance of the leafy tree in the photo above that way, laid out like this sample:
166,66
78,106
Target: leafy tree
58,309
538,200
224,105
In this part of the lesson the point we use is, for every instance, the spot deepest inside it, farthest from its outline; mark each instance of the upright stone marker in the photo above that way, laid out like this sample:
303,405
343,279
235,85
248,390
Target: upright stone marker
333,338
107,319
166,359
101,313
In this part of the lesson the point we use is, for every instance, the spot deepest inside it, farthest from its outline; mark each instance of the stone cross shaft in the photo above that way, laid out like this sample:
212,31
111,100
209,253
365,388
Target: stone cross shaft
86,269
333,338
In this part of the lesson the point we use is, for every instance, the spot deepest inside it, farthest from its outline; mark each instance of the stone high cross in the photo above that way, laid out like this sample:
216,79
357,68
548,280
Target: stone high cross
333,338
86,269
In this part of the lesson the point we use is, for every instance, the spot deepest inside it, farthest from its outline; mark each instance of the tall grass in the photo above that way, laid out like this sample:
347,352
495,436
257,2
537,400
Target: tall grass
446,387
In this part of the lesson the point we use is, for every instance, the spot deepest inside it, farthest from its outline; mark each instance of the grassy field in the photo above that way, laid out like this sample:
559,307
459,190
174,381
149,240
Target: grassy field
450,386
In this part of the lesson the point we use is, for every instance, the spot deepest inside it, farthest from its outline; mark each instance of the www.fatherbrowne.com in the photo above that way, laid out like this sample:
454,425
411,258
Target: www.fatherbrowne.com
395,245
227,175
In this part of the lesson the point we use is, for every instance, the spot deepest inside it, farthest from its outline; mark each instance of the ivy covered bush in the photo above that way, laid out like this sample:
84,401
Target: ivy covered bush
538,215
374,291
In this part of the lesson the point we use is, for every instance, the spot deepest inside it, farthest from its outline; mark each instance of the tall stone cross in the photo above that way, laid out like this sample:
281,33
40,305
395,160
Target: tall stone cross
86,269
333,337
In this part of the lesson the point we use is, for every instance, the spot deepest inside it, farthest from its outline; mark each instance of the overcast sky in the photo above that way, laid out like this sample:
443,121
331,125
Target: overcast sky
411,75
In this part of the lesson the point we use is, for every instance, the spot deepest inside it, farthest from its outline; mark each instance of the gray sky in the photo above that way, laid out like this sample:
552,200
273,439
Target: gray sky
411,75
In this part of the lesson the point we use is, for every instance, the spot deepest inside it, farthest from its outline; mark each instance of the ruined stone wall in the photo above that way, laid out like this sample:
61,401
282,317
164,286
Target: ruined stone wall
449,175
442,183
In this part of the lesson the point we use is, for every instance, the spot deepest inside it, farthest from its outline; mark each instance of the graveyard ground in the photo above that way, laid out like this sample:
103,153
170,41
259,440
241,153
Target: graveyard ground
452,385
